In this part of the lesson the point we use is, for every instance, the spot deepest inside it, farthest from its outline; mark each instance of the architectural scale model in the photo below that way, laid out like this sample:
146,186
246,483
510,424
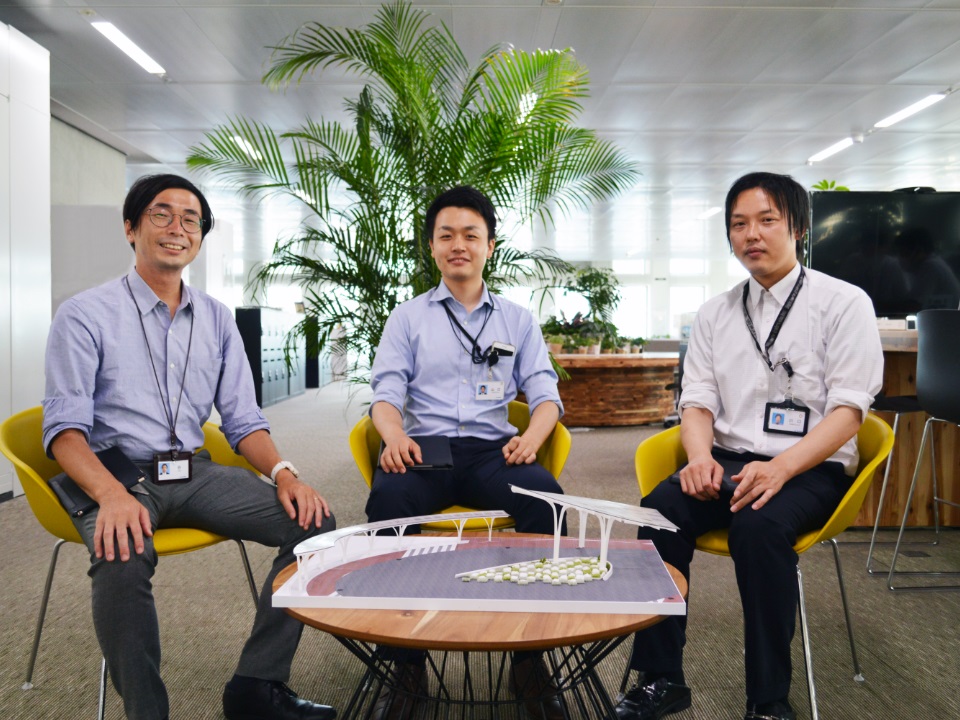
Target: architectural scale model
354,567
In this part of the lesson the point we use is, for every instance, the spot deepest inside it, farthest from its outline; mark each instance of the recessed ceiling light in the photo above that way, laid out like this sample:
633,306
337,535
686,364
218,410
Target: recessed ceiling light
133,51
912,110
832,150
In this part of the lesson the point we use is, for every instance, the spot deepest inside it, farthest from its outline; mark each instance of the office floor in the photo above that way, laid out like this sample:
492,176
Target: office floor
908,643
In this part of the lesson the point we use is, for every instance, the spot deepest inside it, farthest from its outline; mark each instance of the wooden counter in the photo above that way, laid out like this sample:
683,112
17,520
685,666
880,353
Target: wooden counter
618,389
899,378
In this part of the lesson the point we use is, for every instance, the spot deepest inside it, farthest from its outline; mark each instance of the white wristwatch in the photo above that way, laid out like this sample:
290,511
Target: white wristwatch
280,466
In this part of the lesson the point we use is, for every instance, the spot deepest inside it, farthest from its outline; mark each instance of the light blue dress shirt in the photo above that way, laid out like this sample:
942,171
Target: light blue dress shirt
423,370
100,379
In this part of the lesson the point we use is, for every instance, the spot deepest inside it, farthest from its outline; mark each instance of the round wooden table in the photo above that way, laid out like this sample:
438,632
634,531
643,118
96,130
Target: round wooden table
467,660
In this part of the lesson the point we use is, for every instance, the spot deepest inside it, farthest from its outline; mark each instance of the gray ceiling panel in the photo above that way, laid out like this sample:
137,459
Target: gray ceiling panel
697,91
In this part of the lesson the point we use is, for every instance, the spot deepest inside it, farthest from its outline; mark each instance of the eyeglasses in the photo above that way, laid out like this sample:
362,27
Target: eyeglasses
164,218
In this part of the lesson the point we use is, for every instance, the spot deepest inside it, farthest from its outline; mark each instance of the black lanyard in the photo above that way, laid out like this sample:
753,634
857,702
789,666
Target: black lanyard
171,420
476,354
777,324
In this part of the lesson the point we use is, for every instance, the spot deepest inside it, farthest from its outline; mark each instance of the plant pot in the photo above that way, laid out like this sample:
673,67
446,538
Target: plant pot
594,349
556,348
583,350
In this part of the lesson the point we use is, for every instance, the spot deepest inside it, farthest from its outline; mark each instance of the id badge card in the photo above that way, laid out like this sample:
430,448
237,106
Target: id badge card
786,418
172,467
490,390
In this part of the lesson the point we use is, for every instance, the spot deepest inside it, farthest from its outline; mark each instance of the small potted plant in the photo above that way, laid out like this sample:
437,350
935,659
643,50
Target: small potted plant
555,343
636,345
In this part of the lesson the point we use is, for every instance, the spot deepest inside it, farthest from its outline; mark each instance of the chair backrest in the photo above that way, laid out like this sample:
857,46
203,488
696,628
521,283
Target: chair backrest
365,443
874,443
21,441
938,363
659,456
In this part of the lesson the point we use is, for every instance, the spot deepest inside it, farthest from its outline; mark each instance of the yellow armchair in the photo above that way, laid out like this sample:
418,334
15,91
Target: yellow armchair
365,447
21,443
660,456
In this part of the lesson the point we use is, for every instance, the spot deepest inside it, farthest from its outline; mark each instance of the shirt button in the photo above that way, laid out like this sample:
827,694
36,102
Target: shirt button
172,366
464,381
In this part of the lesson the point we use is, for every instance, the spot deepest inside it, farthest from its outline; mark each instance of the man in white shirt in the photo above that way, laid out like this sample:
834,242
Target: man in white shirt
779,374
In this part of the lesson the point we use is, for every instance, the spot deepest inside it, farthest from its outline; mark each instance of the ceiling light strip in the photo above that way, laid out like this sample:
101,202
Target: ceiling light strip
128,46
832,150
912,110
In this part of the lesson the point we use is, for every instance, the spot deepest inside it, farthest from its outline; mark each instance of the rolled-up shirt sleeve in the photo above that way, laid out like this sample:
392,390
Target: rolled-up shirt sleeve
236,398
533,372
72,360
853,367
700,388
392,364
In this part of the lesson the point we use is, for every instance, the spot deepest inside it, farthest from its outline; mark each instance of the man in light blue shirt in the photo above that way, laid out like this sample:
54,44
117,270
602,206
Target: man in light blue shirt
449,362
137,364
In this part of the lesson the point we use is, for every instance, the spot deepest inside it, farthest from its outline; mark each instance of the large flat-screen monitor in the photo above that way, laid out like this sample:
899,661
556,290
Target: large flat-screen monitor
902,248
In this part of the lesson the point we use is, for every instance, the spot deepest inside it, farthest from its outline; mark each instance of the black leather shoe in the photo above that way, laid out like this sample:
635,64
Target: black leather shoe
531,683
653,700
779,710
254,699
399,700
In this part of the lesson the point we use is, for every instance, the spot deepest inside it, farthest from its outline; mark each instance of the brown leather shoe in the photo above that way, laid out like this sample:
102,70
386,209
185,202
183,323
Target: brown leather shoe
530,682
399,700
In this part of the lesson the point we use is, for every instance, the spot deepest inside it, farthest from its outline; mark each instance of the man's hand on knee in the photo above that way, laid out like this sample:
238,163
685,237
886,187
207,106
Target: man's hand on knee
120,517
520,451
758,482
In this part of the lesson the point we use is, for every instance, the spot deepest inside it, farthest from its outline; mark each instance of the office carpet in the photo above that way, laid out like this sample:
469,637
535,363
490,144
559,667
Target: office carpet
909,643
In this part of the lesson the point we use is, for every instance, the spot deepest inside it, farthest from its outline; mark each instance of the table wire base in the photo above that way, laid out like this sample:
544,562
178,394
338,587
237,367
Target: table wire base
476,685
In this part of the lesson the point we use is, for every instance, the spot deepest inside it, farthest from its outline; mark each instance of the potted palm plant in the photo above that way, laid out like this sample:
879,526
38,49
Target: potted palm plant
426,120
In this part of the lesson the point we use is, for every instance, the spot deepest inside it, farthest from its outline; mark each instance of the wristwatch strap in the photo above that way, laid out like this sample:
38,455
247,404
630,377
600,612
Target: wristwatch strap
280,466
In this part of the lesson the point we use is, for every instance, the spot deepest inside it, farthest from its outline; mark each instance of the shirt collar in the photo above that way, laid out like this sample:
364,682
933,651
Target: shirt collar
147,299
780,292
442,292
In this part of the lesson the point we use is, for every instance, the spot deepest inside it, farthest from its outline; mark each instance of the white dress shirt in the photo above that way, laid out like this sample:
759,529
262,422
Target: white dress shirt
829,337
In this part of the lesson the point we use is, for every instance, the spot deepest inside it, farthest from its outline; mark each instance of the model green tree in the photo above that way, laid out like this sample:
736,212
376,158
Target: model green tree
426,120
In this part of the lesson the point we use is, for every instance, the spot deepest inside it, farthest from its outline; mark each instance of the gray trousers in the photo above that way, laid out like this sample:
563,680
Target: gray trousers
229,501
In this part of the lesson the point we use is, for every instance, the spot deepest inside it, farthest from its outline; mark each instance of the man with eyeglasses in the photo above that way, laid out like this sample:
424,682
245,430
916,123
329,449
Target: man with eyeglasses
138,363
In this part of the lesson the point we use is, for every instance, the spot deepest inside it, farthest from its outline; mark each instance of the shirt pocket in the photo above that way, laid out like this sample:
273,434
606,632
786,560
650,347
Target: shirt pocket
203,377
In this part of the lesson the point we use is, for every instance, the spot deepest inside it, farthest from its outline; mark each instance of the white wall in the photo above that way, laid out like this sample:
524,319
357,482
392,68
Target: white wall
24,225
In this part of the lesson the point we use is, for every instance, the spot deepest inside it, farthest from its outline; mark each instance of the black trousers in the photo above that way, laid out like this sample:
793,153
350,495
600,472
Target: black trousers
761,545
480,478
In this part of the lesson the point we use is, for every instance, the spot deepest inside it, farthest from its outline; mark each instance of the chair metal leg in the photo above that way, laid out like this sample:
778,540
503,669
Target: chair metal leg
249,573
927,437
28,683
857,672
876,523
883,495
102,705
807,653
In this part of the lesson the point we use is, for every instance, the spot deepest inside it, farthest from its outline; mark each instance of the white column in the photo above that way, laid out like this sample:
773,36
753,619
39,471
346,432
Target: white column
24,225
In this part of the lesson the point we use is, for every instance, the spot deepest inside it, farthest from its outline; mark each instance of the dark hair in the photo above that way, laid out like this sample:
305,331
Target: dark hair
145,189
789,197
462,197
